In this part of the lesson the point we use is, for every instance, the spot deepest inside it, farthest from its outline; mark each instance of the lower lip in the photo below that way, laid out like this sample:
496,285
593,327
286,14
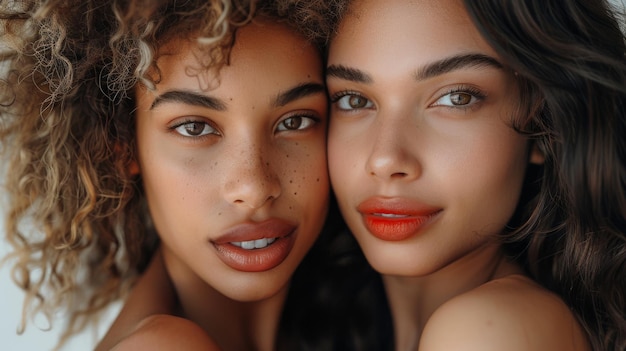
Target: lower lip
395,228
256,260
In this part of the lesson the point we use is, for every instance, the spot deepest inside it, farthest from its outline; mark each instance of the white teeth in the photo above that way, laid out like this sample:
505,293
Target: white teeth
253,244
260,243
389,215
248,245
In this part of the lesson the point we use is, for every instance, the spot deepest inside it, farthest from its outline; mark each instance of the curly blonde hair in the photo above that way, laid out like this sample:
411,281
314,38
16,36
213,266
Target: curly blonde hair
76,218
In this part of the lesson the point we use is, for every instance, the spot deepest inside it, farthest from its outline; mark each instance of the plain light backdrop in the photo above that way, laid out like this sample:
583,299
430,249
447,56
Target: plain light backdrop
35,339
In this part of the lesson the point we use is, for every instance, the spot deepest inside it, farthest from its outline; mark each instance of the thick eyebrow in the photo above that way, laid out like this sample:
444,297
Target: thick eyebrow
347,73
189,98
433,69
452,63
298,92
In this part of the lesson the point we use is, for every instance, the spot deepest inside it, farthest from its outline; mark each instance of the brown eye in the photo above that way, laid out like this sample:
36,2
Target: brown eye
194,129
357,101
353,101
295,123
459,99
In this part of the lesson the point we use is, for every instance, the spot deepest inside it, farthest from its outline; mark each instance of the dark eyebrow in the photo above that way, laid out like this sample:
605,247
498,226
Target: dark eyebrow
346,73
433,69
189,98
452,63
298,92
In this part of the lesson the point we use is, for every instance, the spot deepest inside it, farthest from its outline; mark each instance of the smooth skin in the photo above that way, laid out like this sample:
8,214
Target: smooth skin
421,133
216,157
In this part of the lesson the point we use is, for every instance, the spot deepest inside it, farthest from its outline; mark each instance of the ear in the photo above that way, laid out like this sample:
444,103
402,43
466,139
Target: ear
536,156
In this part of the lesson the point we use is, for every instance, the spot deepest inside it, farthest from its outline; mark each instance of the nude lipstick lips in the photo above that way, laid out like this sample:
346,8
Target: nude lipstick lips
256,246
395,219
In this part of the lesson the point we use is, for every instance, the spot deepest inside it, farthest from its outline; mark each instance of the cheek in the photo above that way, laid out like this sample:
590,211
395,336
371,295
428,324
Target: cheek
344,159
491,181
178,183
305,190
304,175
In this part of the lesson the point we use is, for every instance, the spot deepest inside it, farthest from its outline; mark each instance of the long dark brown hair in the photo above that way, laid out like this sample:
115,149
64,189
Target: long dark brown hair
570,232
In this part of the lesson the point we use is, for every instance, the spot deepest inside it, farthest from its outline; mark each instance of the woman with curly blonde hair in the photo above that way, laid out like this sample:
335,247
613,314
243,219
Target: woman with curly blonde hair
189,134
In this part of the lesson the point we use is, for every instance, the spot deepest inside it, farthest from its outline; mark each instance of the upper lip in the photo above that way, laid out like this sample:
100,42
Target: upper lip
270,228
395,206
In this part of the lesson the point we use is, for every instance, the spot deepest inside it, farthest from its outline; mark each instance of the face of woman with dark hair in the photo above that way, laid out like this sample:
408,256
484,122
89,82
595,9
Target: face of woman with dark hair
235,175
422,156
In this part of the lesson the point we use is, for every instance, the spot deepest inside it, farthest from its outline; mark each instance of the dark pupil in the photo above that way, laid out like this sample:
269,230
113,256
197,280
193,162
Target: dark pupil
194,128
460,98
293,122
357,101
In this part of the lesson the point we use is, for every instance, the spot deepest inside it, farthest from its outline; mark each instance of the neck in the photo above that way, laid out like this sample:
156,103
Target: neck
232,324
413,300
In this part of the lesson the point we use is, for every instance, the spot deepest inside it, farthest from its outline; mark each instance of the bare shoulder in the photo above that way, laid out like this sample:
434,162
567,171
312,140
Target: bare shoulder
166,332
153,294
512,313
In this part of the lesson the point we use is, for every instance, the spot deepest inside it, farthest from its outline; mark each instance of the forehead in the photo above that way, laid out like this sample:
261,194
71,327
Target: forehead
261,49
406,29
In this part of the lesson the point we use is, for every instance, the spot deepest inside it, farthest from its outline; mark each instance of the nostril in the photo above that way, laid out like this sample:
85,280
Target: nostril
393,175
399,175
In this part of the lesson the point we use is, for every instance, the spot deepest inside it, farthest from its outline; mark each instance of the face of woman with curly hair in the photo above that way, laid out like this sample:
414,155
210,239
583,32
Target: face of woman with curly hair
235,174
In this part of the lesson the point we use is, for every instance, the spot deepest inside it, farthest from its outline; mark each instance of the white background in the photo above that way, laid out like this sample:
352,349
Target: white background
34,339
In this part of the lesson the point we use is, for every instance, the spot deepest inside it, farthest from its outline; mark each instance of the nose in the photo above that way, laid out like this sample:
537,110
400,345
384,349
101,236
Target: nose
251,181
394,152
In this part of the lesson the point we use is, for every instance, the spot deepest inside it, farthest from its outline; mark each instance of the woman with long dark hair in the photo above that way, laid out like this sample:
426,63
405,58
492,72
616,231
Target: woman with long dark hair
477,152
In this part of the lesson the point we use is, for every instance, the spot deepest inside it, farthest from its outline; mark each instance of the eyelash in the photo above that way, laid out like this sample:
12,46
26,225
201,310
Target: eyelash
336,97
473,92
174,128
313,120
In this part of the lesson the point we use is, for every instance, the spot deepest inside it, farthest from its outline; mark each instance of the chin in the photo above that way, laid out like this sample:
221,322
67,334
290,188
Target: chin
256,289
393,264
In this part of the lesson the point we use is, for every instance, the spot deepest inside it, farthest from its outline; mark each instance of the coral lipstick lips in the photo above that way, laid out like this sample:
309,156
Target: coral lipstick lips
256,246
393,228
395,219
